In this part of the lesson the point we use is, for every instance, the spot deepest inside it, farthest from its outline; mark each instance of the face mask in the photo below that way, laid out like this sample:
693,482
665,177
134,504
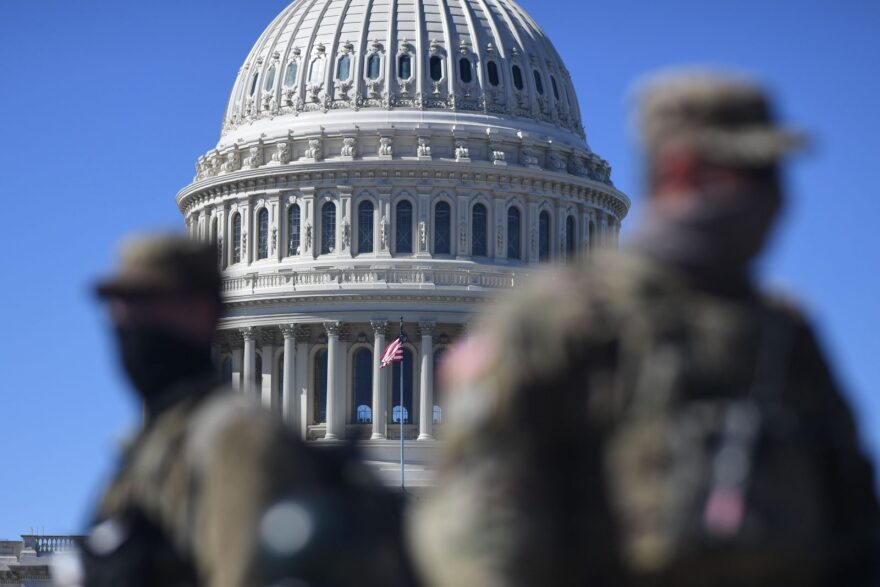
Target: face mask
720,231
155,358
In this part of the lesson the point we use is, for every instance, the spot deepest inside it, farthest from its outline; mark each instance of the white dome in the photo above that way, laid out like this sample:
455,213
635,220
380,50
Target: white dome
344,62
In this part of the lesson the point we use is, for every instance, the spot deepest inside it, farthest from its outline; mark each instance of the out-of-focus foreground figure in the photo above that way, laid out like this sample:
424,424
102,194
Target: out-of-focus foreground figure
214,491
650,417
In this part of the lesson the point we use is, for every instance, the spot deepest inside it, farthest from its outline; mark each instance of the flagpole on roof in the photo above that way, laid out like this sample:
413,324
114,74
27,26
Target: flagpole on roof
402,338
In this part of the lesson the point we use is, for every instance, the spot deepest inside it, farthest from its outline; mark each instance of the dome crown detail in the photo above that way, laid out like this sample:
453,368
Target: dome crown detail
485,57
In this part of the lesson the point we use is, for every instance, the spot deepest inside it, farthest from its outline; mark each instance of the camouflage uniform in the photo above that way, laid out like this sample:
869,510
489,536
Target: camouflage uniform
578,416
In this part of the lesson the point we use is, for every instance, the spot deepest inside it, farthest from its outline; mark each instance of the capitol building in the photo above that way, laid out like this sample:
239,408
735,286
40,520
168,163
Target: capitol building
387,158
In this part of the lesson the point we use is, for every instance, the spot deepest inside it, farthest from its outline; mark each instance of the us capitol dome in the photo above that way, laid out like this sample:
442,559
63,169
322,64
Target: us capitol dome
381,158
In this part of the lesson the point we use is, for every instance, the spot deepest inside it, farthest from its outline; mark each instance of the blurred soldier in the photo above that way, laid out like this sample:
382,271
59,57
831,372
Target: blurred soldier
214,491
650,418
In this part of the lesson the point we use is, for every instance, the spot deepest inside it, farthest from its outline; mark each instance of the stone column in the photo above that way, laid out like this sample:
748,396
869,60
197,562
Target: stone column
335,425
288,384
344,224
249,334
380,331
426,385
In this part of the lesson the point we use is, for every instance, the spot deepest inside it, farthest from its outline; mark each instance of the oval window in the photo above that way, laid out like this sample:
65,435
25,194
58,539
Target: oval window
290,75
373,64
555,87
493,73
539,84
343,69
254,83
316,72
270,79
404,67
517,77
464,70
436,65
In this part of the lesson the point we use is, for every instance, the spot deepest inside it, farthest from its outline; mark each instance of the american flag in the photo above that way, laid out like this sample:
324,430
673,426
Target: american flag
393,352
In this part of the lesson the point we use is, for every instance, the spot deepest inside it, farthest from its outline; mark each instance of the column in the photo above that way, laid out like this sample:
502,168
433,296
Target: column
335,427
426,385
288,384
498,233
308,223
249,334
303,356
268,379
344,224
531,244
380,330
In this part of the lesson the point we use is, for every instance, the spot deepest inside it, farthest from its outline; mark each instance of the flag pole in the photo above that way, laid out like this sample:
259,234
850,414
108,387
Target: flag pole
400,413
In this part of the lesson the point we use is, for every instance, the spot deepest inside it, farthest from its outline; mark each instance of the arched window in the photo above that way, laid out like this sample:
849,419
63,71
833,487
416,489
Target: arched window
270,79
403,227
438,391
544,236
254,83
374,63
365,227
328,228
404,66
226,370
514,227
293,230
316,72
343,68
464,70
539,83
592,234
290,74
262,234
569,237
436,67
479,231
492,68
407,365
319,405
362,387
555,87
236,238
442,229
517,77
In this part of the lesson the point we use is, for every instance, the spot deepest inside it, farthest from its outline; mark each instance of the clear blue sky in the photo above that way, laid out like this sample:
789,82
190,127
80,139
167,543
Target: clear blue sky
107,104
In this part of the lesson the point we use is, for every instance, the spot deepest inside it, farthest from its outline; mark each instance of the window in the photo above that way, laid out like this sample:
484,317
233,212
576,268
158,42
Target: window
319,405
226,370
254,83
544,236
479,231
492,68
403,227
270,79
555,87
343,68
407,365
293,230
362,387
569,236
539,84
517,77
365,227
514,225
262,234
464,70
404,67
290,74
328,228
316,72
436,67
442,229
374,63
236,238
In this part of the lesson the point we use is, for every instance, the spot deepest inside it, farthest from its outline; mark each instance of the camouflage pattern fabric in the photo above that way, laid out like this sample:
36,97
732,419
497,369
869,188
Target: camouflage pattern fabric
555,473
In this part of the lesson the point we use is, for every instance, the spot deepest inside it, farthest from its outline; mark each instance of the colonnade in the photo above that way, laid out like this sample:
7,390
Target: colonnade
287,353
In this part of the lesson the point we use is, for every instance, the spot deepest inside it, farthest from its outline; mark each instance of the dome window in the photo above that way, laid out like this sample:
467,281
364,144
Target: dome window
555,87
236,238
374,64
544,236
316,73
404,67
293,230
569,237
328,228
479,230
270,79
290,74
517,78
492,68
254,81
514,225
436,67
263,234
343,68
365,227
442,228
464,70
403,240
539,83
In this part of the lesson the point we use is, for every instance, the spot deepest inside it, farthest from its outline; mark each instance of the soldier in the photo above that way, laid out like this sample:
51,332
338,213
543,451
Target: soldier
650,417
214,491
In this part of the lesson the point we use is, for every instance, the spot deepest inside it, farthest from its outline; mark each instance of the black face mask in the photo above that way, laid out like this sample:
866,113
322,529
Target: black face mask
155,358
